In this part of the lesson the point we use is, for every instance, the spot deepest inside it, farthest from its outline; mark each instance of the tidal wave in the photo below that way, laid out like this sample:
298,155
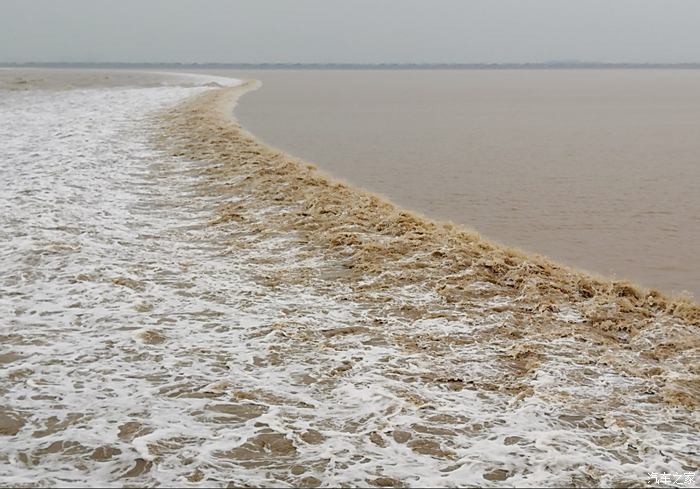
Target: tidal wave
184,306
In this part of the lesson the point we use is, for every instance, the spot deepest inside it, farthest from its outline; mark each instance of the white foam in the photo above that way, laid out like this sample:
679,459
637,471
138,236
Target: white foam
199,79
104,239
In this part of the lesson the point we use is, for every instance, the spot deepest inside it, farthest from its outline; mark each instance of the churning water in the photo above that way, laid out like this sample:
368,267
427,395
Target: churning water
597,169
143,345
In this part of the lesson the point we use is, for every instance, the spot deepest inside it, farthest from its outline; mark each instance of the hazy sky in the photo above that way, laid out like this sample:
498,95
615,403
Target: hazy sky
371,31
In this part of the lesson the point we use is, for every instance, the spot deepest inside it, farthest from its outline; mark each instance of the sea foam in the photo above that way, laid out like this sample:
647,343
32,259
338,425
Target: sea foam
168,321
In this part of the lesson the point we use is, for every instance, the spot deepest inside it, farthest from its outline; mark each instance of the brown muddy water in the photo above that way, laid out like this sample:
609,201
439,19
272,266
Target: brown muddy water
597,169
183,306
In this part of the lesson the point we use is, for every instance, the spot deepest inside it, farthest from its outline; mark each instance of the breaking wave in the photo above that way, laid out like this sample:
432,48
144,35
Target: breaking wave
185,306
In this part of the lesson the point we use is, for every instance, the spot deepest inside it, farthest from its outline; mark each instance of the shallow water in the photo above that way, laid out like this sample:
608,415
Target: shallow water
141,344
594,168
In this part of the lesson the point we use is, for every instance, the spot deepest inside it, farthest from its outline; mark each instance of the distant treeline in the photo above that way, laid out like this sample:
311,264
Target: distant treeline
363,66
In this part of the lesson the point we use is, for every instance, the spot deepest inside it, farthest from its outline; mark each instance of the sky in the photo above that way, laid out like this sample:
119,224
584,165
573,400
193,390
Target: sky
350,31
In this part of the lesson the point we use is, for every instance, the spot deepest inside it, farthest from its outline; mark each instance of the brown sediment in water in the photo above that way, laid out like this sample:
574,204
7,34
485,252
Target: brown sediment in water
372,246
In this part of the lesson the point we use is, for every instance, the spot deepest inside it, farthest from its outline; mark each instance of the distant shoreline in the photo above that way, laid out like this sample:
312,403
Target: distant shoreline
365,66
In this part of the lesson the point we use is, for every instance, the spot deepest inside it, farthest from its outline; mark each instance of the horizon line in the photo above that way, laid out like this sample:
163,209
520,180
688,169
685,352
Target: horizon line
323,65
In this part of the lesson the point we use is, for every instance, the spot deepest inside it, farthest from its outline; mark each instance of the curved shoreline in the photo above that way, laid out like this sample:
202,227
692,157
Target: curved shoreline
374,246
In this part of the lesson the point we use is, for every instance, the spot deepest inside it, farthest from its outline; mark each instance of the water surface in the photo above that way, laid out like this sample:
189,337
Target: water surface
594,168
160,327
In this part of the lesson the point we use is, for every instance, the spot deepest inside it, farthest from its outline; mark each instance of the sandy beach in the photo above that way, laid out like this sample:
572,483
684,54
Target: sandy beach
244,318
